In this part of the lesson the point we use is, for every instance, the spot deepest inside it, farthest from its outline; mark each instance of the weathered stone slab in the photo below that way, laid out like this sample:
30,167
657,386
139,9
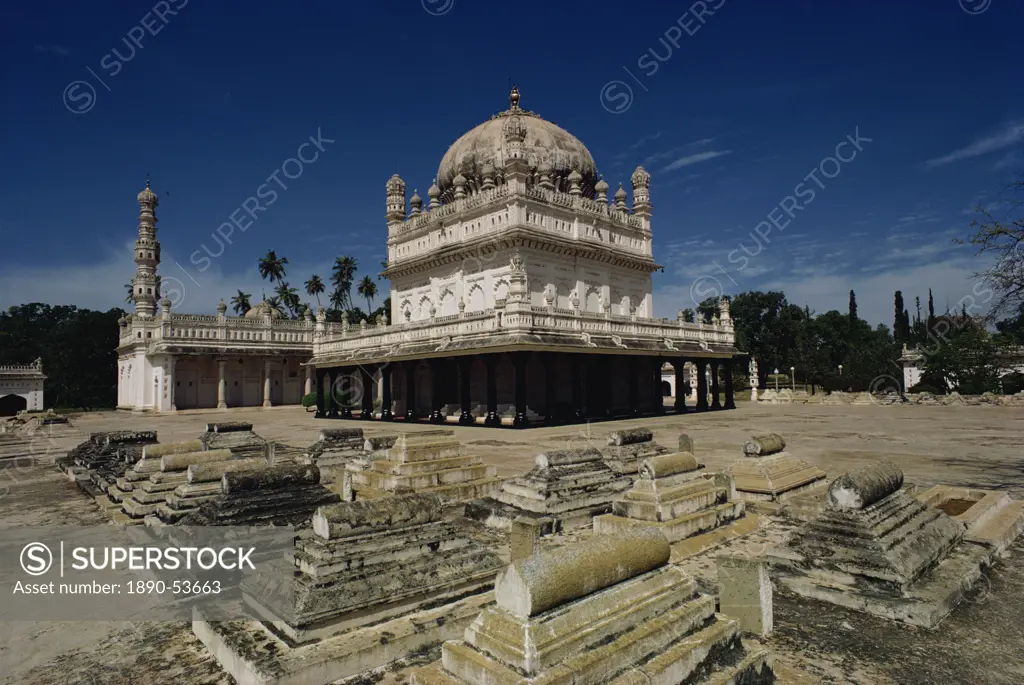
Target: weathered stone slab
567,457
630,436
181,461
685,444
864,486
156,451
205,472
668,465
271,477
228,427
379,442
764,445
627,449
355,518
745,592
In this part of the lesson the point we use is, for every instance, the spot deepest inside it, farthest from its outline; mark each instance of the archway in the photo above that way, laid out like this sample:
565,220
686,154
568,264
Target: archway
666,389
12,404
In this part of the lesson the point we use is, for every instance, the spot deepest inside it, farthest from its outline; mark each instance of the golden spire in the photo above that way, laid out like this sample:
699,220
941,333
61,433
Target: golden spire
513,97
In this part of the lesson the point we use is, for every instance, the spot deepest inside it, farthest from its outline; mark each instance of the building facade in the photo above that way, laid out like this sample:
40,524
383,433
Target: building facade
520,294
169,361
21,388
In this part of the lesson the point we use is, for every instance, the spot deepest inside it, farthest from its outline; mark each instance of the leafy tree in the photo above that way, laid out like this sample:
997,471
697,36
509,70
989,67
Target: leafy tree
1011,329
240,303
289,298
276,304
129,293
272,267
314,287
961,356
1002,237
689,316
342,275
368,289
707,310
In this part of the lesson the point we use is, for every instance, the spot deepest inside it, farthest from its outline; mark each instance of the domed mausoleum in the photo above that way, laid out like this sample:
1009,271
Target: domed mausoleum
520,293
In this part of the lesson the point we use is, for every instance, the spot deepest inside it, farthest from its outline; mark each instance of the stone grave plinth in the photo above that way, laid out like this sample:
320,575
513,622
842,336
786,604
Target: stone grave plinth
425,462
627,450
203,483
273,495
96,464
610,611
146,466
236,436
674,495
376,581
569,487
876,548
335,448
149,494
992,518
766,473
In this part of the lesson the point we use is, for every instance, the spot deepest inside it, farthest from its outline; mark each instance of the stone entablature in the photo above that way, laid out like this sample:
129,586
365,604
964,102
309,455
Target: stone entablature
285,335
24,381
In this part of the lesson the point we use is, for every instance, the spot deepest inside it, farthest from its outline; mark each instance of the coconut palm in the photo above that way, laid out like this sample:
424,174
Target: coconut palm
272,267
276,304
337,300
289,297
314,286
384,267
342,273
130,289
368,289
240,303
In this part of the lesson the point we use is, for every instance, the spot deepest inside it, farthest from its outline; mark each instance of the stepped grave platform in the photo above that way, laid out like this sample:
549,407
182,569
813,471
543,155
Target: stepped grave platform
992,518
766,473
146,466
236,436
96,464
875,548
272,495
627,450
203,484
608,610
376,581
152,492
422,462
674,495
335,448
568,487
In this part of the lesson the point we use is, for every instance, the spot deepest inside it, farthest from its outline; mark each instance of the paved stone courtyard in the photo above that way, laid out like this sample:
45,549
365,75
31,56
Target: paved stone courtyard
974,446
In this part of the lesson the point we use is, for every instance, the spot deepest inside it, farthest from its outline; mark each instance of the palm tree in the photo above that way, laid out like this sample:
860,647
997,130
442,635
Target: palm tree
341,277
275,304
384,267
314,286
130,289
240,303
337,300
289,297
368,289
272,267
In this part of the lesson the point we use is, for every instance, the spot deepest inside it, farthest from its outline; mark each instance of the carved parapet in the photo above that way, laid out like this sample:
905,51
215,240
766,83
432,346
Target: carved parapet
553,577
863,487
356,518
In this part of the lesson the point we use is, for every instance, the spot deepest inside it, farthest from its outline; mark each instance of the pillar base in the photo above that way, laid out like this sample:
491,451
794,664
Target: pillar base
729,404
222,405
332,414
386,415
346,413
411,417
366,415
466,419
492,419
320,414
520,421
266,405
436,417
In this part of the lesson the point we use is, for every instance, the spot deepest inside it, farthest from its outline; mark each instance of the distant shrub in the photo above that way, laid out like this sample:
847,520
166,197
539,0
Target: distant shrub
309,400
925,387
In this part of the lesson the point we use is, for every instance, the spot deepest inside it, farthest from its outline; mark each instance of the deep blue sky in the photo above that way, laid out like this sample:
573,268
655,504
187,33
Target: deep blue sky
729,124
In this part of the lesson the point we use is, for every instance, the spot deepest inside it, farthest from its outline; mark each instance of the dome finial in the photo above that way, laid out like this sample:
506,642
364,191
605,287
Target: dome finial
513,97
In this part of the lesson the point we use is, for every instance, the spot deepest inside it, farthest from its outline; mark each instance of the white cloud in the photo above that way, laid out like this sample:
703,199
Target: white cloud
1011,134
695,158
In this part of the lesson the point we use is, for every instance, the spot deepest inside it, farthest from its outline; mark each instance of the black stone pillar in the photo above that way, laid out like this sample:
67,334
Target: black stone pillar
410,390
549,388
656,397
702,385
680,368
367,396
519,362
730,397
346,393
576,360
332,394
385,393
436,387
715,402
491,362
321,411
466,417
607,373
633,369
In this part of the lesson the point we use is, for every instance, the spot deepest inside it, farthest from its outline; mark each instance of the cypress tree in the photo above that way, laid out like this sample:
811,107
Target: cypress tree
853,306
897,322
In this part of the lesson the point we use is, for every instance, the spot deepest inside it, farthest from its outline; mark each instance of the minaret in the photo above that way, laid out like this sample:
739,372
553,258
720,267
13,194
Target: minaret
145,285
